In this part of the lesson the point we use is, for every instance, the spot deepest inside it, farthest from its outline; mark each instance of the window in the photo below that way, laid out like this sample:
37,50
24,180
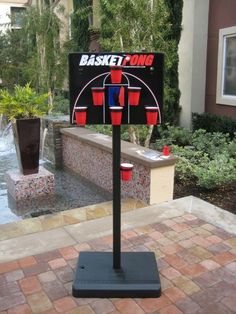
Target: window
226,74
16,17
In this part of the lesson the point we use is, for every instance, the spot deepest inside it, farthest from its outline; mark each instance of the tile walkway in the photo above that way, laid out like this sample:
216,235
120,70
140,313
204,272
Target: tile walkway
196,260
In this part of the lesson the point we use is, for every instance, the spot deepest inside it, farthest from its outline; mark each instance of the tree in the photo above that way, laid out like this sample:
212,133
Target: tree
80,24
48,54
36,53
12,58
151,25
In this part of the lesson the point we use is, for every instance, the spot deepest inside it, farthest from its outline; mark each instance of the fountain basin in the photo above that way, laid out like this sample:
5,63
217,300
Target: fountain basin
71,191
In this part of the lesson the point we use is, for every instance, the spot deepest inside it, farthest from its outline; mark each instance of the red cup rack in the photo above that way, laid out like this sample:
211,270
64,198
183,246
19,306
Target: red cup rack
128,98
127,95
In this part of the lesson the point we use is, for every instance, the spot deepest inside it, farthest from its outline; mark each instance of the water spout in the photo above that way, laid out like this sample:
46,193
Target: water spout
3,123
43,141
7,129
6,140
1,127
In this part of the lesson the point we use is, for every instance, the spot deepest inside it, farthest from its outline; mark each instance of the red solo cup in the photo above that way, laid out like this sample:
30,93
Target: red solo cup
151,115
98,95
81,115
126,171
116,75
133,95
122,96
116,115
166,151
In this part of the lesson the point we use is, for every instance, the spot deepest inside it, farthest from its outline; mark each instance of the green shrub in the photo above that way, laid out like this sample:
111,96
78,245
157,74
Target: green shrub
140,132
172,135
60,105
104,129
107,130
188,160
179,136
205,159
211,143
216,172
214,123
232,148
23,103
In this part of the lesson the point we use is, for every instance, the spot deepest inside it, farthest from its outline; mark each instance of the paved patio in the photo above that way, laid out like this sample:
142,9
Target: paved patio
194,243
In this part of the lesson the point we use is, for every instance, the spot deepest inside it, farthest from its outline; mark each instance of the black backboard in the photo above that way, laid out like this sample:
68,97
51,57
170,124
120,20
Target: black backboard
138,70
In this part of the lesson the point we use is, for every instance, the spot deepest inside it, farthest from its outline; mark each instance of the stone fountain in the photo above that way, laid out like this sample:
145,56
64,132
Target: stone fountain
21,186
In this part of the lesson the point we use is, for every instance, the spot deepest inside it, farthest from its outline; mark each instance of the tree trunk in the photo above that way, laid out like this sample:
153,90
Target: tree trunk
132,135
149,135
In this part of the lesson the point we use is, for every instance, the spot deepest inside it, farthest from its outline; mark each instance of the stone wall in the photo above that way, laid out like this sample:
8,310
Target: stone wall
51,145
90,155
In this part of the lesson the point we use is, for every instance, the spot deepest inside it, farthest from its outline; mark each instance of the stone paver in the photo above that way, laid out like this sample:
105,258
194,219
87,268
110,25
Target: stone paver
39,302
102,306
186,285
30,285
27,261
55,290
7,267
128,306
170,309
68,253
64,304
14,275
69,217
196,262
57,263
174,294
22,309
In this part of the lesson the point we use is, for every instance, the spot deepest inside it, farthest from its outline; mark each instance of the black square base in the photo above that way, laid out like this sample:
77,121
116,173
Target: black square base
96,278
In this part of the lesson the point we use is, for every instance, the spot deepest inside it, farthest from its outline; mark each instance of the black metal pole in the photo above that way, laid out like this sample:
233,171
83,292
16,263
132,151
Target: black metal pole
116,196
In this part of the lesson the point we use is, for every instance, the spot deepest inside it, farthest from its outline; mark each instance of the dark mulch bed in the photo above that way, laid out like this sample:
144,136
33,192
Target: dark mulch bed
224,197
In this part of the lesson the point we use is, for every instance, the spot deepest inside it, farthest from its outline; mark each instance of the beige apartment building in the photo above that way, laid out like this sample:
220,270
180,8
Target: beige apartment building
10,11
207,59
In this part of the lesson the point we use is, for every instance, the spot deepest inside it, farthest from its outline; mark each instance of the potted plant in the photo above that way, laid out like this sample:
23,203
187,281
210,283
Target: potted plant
24,107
